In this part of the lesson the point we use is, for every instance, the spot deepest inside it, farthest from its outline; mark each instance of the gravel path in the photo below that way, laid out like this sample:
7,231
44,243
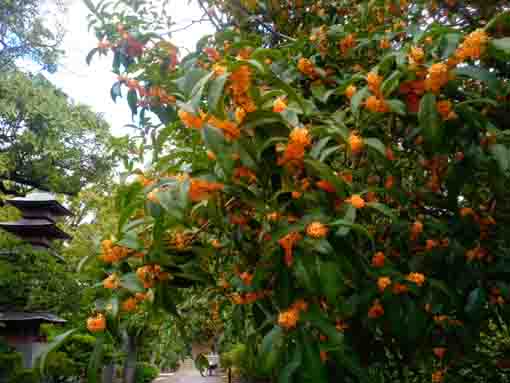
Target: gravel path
187,373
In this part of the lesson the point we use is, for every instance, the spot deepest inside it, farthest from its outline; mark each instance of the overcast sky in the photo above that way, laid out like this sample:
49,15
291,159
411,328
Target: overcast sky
91,84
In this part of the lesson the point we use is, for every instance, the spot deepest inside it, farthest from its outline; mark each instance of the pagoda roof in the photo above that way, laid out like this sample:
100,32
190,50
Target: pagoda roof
35,228
19,316
40,200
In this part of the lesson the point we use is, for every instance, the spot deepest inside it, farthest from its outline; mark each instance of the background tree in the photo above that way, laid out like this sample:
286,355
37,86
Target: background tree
26,32
47,141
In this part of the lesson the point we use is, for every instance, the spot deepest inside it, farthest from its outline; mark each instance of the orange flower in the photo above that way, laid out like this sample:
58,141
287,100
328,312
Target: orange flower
323,355
300,305
438,376
376,310
383,282
140,297
372,104
300,136
399,288
444,108
341,325
431,244
287,243
416,55
240,80
326,186
416,229
465,211
306,67
111,282
378,259
279,105
299,140
356,201
439,352
473,46
384,44
355,143
347,43
437,77
212,54
417,278
247,278
229,128
317,230
390,181
243,172
288,319
201,189
96,323
293,152
240,114
211,155
374,82
129,304
190,120
347,177
350,91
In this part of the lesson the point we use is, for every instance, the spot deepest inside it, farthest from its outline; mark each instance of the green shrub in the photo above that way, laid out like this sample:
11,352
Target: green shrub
25,375
146,372
10,361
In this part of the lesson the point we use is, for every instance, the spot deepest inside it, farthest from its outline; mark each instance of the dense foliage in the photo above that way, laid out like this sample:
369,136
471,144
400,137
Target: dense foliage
47,141
354,208
26,32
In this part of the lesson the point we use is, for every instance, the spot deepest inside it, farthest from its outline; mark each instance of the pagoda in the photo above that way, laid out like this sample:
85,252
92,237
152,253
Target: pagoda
38,227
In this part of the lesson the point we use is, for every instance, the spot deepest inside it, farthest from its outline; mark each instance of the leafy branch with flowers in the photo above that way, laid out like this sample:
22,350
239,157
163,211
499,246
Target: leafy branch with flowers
342,193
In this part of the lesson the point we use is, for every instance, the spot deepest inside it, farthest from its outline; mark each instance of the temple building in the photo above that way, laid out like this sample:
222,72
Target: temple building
38,227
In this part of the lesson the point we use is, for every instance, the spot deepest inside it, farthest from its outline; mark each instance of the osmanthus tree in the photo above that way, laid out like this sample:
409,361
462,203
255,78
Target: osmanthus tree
354,208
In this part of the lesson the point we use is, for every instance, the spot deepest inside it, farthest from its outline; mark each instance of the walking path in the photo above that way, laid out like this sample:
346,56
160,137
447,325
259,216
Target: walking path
187,373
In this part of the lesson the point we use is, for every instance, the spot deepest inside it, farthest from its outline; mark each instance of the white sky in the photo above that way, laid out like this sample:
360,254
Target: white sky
91,84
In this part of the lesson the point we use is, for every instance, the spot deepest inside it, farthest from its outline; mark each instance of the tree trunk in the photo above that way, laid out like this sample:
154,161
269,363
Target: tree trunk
107,373
130,362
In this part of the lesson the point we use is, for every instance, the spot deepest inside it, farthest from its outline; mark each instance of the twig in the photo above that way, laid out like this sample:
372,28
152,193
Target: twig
211,18
190,24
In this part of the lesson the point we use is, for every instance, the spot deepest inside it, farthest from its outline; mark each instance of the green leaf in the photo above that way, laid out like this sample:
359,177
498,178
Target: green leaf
382,208
429,120
116,91
331,279
54,345
96,359
358,228
358,98
305,272
501,155
215,94
502,44
187,83
90,55
131,282
317,148
132,99
480,74
291,367
475,303
397,106
391,83
350,216
375,144
271,348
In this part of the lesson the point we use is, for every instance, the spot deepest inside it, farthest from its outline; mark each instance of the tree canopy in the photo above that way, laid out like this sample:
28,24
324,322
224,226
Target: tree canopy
25,33
47,141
